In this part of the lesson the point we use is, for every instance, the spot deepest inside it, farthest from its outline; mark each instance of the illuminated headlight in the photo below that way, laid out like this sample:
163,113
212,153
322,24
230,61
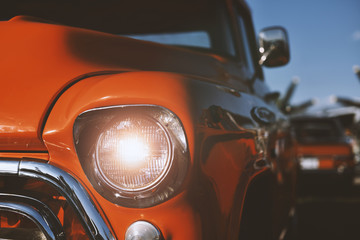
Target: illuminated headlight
135,156
133,153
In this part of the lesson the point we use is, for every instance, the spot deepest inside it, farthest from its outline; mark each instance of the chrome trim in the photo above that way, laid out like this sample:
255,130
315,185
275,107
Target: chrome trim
70,188
9,167
36,211
120,106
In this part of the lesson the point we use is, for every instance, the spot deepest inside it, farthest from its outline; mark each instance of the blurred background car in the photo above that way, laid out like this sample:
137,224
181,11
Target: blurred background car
324,146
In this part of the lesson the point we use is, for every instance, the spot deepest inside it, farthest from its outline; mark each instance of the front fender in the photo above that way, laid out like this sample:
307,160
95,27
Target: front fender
222,140
155,88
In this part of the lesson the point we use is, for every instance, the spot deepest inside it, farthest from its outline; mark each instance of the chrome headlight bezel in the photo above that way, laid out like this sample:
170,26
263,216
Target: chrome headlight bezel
88,129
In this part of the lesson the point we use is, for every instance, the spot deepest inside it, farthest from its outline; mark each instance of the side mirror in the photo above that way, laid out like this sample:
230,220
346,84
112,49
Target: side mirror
274,47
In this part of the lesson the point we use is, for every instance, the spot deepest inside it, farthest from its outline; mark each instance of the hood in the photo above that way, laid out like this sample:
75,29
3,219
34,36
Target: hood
38,60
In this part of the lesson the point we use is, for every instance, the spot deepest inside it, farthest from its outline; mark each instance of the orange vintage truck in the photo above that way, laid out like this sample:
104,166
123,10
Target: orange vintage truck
325,148
140,120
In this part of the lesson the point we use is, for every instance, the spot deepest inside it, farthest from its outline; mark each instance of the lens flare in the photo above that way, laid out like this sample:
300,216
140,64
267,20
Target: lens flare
134,153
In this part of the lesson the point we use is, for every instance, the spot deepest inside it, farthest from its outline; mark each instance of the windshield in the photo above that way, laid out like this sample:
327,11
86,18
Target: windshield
318,131
199,24
190,39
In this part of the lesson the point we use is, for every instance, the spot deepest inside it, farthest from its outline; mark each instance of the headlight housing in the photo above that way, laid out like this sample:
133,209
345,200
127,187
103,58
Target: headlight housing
133,155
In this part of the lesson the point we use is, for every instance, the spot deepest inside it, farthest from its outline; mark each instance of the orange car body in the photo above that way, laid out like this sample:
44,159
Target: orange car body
322,147
330,156
53,73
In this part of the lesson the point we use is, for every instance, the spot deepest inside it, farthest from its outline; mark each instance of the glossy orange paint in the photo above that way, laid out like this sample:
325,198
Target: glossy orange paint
325,150
54,56
329,156
135,88
66,71
45,67
140,88
326,164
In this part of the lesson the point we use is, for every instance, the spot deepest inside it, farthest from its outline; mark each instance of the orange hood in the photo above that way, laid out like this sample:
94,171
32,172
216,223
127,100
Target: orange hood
39,60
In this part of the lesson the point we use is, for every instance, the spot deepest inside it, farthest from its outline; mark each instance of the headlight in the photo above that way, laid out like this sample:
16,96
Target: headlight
133,153
134,156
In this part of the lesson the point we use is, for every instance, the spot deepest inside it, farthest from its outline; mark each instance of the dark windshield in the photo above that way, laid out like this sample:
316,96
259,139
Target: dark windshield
190,23
318,131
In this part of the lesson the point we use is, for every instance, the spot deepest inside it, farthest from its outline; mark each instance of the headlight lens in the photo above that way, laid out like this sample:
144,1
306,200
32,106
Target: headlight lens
135,155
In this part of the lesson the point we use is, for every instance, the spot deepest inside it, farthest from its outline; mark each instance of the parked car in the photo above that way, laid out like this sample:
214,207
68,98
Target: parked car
325,147
140,120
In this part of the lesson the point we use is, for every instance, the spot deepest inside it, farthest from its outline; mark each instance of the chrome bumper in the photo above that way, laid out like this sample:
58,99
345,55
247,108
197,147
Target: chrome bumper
68,186
38,212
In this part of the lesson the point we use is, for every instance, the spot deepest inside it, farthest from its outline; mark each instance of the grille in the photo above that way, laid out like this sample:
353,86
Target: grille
39,201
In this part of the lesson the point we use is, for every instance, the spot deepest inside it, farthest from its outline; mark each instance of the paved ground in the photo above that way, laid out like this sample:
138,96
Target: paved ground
328,210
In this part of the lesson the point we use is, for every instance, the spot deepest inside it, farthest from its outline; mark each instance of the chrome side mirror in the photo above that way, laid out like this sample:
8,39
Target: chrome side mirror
274,47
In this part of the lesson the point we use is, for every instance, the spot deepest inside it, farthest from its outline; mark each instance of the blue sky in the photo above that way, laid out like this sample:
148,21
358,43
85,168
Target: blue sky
324,42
